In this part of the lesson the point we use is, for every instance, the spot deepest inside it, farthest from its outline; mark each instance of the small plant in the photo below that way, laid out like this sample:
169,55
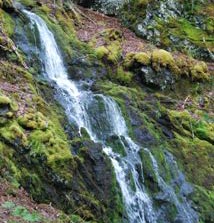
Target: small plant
8,205
21,212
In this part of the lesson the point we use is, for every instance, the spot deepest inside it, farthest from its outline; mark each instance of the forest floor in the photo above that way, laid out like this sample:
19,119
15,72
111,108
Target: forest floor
93,24
17,206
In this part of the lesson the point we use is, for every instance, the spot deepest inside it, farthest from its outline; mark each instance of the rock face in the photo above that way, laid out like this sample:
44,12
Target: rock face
109,7
161,22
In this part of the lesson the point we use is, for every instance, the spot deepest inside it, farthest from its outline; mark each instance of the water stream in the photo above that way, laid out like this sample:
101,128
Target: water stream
102,118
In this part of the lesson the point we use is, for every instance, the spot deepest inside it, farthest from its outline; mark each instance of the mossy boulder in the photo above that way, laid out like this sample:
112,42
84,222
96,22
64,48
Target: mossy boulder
163,58
136,59
121,76
200,71
101,52
7,109
4,100
14,134
110,53
33,121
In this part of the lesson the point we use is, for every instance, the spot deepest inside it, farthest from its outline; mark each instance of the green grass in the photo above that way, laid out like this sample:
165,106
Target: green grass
21,212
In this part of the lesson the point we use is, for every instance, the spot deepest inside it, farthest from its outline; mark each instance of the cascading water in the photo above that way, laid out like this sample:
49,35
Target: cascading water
185,213
102,118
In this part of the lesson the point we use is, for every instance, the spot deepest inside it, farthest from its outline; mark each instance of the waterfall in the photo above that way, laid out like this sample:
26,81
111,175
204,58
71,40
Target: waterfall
102,118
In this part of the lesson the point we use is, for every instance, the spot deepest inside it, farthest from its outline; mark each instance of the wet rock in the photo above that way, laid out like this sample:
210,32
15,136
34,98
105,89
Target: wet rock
116,143
160,79
134,117
163,197
143,136
166,126
4,109
81,68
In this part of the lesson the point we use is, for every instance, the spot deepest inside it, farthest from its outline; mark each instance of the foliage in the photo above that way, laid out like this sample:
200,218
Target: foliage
22,212
121,76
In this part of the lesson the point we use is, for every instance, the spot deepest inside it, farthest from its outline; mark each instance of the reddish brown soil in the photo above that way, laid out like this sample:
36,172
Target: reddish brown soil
20,197
94,23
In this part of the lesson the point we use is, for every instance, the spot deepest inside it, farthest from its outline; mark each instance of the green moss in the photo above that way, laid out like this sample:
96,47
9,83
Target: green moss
188,125
112,35
195,157
47,139
8,169
142,3
196,35
117,145
148,171
13,73
111,50
28,3
114,52
162,58
133,10
62,163
14,133
45,9
33,121
4,100
200,71
117,201
121,76
204,201
9,114
111,53
7,22
101,52
142,58
137,58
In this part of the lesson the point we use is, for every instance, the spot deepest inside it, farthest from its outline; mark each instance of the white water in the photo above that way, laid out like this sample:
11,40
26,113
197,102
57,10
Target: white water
138,204
102,118
184,210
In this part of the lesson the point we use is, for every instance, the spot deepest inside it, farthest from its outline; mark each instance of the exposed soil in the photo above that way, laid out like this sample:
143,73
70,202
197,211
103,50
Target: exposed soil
95,23
20,197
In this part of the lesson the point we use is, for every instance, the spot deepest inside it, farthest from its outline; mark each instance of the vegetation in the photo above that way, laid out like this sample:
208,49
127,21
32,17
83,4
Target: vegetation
165,97
173,30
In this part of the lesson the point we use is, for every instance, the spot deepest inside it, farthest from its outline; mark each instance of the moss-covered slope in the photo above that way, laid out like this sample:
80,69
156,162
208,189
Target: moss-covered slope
186,26
39,149
167,100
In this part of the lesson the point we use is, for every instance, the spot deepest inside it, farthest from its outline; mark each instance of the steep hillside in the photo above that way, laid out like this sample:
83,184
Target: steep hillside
165,97
186,26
